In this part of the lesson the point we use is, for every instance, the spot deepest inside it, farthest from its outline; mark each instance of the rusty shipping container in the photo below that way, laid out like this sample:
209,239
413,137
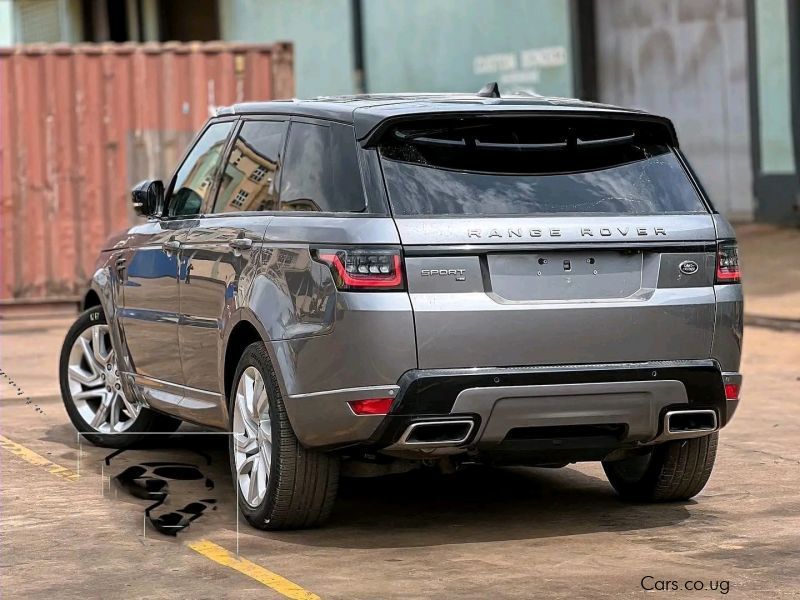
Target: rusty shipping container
80,125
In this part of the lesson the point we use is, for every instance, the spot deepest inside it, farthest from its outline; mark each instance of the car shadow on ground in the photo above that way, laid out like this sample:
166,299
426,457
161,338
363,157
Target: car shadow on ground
478,505
423,507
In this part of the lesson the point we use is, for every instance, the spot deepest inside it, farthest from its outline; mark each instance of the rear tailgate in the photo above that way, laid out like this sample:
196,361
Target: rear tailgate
546,240
500,291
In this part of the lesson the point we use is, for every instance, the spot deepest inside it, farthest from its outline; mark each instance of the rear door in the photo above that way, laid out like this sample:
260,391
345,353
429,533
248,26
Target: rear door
550,241
217,251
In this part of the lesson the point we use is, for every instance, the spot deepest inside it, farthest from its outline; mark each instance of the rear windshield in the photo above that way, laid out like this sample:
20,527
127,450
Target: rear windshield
524,166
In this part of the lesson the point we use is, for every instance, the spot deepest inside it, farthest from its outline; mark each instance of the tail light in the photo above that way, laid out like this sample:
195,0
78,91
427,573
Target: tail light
728,263
731,391
364,269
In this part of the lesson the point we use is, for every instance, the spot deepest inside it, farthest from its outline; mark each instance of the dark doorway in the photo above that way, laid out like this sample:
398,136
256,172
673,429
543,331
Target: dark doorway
105,21
189,20
139,21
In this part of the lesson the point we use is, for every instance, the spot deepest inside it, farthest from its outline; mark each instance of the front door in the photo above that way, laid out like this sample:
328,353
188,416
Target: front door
216,256
148,314
150,301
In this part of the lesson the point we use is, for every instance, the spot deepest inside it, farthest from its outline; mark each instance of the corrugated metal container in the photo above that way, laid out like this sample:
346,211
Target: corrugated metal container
80,125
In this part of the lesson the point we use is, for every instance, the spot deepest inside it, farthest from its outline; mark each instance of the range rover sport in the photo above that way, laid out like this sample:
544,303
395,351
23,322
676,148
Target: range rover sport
366,283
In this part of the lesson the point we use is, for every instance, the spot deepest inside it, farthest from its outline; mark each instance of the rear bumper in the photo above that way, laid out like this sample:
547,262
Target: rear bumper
626,403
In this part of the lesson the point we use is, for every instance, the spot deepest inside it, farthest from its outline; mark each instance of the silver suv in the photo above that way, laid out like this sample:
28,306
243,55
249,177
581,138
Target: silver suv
374,283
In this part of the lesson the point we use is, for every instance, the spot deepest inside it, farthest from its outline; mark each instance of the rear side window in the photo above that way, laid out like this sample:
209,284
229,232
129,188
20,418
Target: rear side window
321,172
249,179
524,166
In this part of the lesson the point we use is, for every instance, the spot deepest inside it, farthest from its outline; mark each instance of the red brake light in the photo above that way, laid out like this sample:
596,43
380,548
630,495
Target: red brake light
364,268
372,406
731,391
728,263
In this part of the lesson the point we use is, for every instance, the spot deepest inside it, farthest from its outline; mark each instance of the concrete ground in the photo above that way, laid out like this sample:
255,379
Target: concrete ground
513,533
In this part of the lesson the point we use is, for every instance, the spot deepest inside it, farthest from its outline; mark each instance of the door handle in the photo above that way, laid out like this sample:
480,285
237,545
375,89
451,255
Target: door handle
241,244
121,269
171,246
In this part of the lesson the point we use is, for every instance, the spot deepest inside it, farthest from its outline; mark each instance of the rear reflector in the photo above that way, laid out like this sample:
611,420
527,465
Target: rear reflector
372,406
728,263
732,391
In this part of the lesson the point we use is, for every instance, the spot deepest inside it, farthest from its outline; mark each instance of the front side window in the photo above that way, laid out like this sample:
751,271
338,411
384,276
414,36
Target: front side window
321,172
249,179
193,180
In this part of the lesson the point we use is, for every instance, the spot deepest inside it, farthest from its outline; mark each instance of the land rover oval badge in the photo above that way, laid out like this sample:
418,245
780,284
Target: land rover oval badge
688,267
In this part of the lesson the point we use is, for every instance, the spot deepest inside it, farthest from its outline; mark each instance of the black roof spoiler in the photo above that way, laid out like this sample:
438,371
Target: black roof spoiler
371,137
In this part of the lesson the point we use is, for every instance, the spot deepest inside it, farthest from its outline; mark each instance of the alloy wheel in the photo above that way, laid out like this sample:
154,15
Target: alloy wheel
252,436
94,384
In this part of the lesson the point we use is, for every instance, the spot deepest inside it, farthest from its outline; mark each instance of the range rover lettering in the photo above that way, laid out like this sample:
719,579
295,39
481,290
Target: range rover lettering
371,283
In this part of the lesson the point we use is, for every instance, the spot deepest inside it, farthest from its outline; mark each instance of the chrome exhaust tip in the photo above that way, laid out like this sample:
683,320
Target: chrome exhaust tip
437,433
683,424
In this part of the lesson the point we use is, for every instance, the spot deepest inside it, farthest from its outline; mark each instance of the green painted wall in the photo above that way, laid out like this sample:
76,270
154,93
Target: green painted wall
458,45
6,23
415,45
320,30
774,110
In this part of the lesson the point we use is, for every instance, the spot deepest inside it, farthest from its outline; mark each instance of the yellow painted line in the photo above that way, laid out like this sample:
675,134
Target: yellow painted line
272,580
37,459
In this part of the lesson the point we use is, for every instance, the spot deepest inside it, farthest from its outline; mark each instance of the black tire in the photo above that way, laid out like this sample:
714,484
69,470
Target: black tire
670,472
147,421
301,483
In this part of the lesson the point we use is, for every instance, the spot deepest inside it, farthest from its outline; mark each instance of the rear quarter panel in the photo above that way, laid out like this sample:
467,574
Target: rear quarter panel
321,339
729,320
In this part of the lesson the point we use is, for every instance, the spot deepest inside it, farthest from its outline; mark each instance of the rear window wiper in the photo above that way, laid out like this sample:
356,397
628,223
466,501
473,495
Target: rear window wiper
560,145
612,141
520,146
420,139
425,136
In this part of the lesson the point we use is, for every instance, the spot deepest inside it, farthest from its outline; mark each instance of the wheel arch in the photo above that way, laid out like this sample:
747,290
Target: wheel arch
90,299
241,336
246,328
101,291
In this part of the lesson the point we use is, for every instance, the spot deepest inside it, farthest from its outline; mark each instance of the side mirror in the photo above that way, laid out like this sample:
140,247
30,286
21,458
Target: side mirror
148,198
